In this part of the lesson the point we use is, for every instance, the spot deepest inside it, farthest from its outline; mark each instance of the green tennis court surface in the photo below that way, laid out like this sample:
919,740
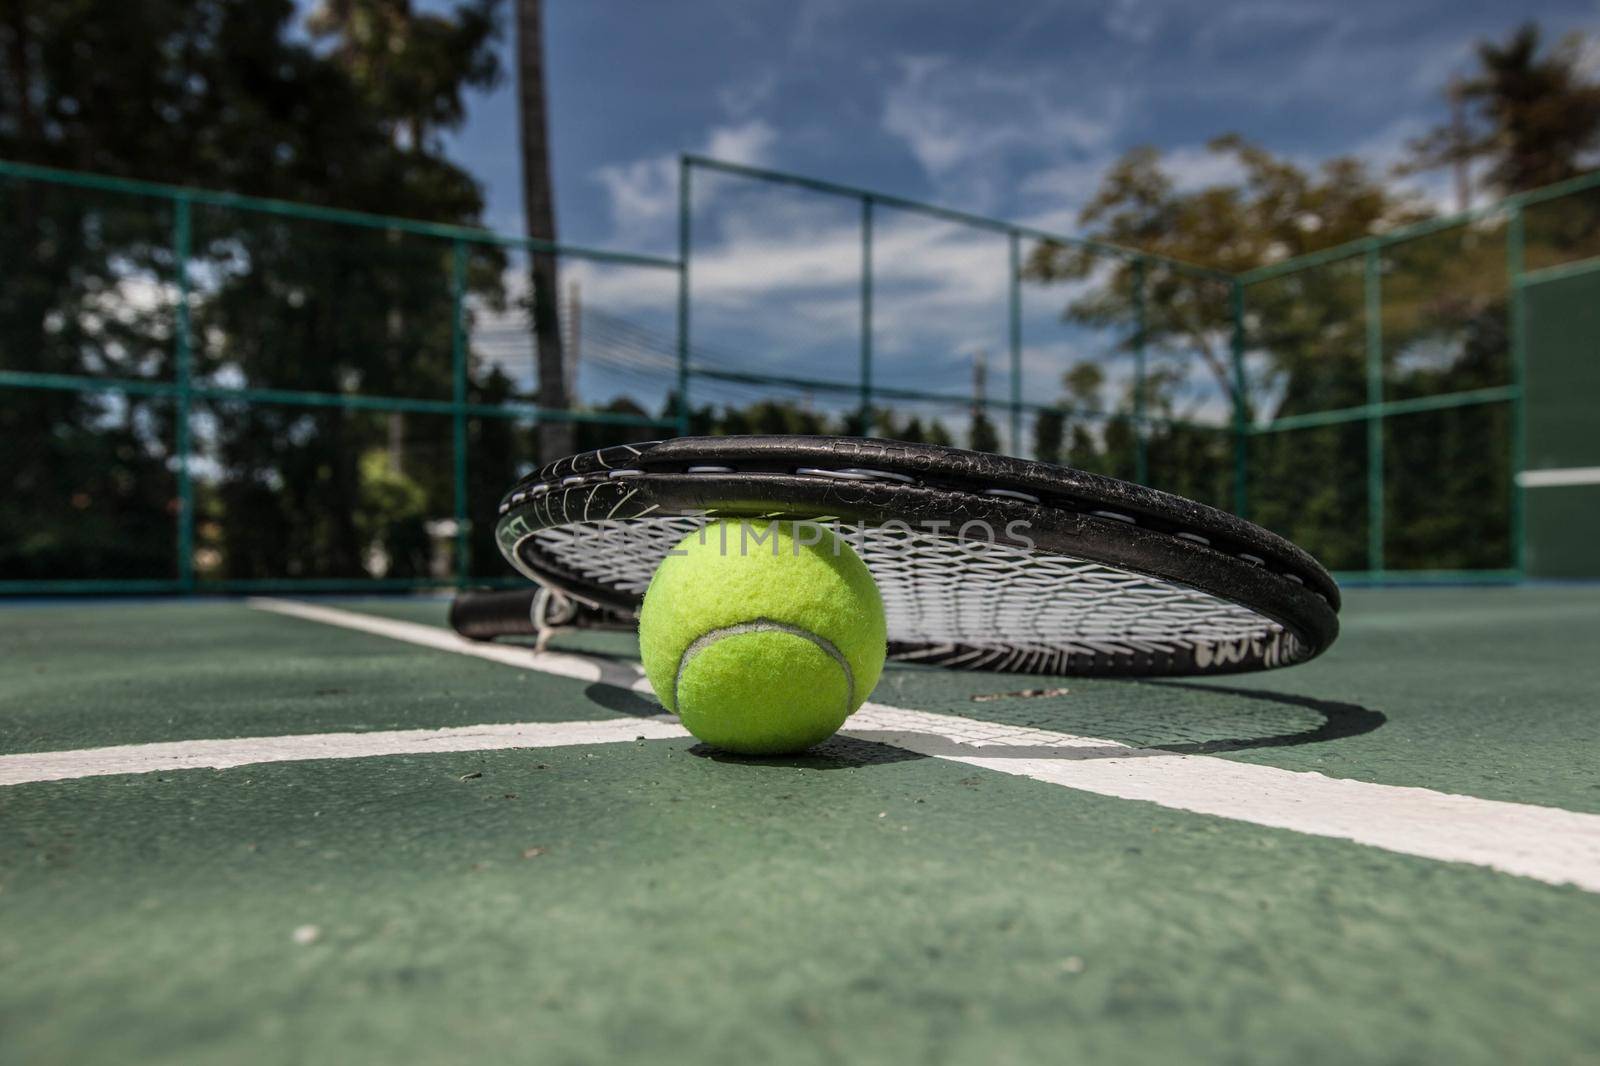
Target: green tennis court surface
988,868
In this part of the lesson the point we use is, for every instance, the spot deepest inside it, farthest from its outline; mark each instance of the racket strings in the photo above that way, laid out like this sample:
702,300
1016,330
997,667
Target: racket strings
964,602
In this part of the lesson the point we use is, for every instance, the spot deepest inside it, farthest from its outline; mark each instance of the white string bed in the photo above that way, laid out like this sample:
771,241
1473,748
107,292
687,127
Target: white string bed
974,604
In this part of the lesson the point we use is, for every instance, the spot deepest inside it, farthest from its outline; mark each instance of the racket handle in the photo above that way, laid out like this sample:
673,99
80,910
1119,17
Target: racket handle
487,615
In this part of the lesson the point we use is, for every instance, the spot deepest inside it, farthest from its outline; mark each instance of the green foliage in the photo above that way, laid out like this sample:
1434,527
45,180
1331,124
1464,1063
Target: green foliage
1442,328
412,67
983,436
772,417
1049,435
392,519
912,428
604,435
89,491
1533,117
787,417
1275,211
226,94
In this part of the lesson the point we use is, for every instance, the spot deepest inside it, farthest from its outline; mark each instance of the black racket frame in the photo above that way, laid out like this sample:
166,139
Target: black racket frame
1062,511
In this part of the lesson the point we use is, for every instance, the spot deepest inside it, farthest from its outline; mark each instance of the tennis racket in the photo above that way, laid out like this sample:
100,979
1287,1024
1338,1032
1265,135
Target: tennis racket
984,561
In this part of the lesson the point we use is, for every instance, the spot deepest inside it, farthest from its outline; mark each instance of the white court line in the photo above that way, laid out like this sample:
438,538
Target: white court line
29,767
1543,843
578,667
1559,478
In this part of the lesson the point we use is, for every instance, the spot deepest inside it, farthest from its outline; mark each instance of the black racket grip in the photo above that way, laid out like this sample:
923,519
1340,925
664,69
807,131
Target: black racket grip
487,615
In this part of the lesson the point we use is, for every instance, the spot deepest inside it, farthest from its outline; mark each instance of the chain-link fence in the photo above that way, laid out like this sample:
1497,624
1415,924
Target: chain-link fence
205,391
1409,407
1413,404
817,307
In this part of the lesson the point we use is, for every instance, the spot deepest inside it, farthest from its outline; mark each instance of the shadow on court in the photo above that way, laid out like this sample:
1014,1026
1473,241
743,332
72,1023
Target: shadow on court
1288,720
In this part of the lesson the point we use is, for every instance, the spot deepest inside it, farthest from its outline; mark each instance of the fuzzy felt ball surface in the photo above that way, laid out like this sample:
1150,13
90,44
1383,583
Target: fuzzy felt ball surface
762,636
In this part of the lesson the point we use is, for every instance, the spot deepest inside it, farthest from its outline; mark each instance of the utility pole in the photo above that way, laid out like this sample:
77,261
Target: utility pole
983,437
538,207
574,341
1458,148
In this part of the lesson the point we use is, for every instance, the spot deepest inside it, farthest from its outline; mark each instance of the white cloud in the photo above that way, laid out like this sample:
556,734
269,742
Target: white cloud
1132,20
1432,69
743,99
967,126
794,278
1385,148
1588,58
1195,166
816,24
776,288
746,143
644,192
1062,189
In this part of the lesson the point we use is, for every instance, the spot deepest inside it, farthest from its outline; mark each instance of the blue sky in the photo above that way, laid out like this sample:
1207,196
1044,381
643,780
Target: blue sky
1012,108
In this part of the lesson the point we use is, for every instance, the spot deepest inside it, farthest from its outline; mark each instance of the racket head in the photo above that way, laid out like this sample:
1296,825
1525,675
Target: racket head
984,561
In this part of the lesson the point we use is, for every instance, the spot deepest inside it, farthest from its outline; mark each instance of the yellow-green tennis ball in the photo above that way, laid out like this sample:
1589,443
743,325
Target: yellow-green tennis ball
762,637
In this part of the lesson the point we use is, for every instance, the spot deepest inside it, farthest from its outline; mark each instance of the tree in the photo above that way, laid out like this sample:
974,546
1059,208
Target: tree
219,93
1278,210
412,68
1083,384
983,437
1533,117
1095,440
911,431
1300,330
1049,431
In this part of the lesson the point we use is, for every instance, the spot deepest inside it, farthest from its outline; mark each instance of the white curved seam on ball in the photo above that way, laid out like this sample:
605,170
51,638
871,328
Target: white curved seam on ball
765,625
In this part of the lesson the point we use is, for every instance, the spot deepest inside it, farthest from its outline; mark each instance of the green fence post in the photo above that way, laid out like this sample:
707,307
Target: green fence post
683,295
458,397
182,237
1141,456
1516,241
1241,416
1015,321
1372,282
866,316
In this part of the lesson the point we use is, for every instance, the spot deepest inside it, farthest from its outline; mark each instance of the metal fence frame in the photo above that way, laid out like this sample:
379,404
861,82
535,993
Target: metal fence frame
1377,408
869,200
1373,412
184,391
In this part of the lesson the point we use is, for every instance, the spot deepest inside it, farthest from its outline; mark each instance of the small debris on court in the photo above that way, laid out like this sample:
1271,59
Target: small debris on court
1021,694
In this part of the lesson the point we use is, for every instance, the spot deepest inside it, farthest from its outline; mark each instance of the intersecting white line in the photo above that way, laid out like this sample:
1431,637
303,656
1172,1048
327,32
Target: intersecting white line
1543,843
578,667
246,751
1561,478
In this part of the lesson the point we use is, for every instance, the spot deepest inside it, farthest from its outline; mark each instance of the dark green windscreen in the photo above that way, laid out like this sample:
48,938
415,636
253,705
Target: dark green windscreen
1563,353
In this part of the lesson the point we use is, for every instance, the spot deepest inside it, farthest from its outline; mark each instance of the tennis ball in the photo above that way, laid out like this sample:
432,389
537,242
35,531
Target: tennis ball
762,636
